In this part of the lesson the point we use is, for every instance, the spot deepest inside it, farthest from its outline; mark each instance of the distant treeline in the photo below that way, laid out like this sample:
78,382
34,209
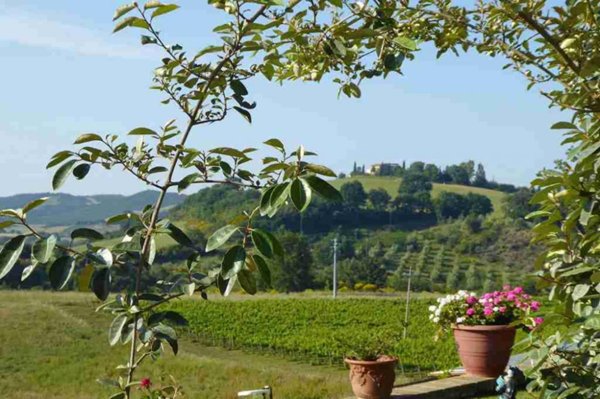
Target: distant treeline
464,173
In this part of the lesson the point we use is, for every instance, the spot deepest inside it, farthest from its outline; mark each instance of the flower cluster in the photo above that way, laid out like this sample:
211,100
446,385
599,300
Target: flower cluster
509,306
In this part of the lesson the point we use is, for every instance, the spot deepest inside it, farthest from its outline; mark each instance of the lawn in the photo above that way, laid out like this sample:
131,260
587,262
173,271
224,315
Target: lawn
391,184
54,346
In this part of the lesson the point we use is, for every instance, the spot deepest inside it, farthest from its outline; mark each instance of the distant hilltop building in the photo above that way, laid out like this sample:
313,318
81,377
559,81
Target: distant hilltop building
384,169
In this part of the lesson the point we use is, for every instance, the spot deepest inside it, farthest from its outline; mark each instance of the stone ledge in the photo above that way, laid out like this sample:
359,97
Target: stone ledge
459,387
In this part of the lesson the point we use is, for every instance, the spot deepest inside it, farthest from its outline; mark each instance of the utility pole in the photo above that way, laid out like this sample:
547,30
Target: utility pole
334,267
406,312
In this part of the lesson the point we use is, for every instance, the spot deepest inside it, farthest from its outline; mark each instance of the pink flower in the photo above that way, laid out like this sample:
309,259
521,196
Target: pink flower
488,311
471,300
538,320
518,290
502,309
145,383
535,306
470,312
506,287
511,296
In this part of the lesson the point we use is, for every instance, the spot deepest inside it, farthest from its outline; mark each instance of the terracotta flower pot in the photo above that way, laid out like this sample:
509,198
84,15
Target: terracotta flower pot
484,350
372,379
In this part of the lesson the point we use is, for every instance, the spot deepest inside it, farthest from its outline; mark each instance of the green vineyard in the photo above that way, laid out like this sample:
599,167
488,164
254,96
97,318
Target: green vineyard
321,331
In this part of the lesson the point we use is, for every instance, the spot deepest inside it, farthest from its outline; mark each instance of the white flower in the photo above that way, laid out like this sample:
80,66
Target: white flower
436,319
495,309
460,320
430,317
432,308
438,312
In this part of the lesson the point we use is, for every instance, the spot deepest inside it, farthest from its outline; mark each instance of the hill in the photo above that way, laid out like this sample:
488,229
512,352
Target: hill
391,184
67,209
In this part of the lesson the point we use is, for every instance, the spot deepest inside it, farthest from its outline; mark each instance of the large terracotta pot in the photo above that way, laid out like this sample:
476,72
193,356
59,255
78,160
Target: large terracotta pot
484,350
372,379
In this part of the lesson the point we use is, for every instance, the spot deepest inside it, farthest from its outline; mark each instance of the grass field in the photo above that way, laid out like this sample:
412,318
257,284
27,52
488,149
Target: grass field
391,184
55,346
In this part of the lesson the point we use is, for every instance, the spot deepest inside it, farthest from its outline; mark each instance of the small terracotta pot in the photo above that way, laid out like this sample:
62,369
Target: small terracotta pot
372,379
484,350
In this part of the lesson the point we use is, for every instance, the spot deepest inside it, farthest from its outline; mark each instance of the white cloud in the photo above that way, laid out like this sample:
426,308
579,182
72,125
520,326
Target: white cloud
39,30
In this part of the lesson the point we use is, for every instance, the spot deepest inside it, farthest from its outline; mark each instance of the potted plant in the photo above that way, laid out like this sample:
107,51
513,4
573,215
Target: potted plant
484,326
372,372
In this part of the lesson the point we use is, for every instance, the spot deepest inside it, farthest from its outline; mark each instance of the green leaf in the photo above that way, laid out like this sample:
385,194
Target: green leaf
263,269
323,188
42,249
238,88
101,283
114,331
232,152
62,173
300,193
244,113
279,195
152,4
105,256
34,204
170,316
168,334
58,158
321,170
87,137
233,261
178,235
579,291
60,272
142,131
220,237
265,201
275,244
247,281
118,395
122,10
262,243
276,143
81,170
151,252
129,21
164,10
118,218
405,42
188,289
10,254
187,181
563,125
230,284
27,271
86,233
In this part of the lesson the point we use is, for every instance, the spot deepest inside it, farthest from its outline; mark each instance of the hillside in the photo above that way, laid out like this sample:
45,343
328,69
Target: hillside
67,209
391,184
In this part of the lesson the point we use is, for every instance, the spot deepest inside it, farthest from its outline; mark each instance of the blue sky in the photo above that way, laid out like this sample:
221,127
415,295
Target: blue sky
64,73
